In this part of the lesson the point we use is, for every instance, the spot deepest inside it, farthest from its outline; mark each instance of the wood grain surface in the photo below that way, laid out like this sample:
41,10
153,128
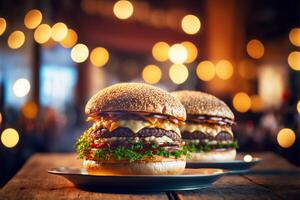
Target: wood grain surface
273,178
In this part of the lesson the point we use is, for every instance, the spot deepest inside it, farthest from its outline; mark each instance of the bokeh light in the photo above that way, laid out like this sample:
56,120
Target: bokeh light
123,9
224,69
49,44
99,56
16,39
298,106
1,118
190,24
294,60
160,51
59,31
192,51
286,137
70,40
294,36
178,73
177,53
79,53
248,158
21,87
42,33
2,25
205,70
151,74
10,137
257,104
30,110
241,102
247,69
33,18
255,49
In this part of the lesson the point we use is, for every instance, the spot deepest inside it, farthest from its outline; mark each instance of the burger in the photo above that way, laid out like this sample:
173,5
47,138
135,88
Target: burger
135,130
207,133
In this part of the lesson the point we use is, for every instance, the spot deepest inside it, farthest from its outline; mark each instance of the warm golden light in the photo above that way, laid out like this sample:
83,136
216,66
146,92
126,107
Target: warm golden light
205,70
1,118
79,53
21,87
248,158
30,110
2,25
99,56
178,73
190,24
257,104
224,69
160,51
177,53
151,74
10,137
294,60
247,69
298,106
286,137
70,40
271,85
42,34
294,36
33,18
255,49
123,9
192,51
16,39
59,31
49,44
241,102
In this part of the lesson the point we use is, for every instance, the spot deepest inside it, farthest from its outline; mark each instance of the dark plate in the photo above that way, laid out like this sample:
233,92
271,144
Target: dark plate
191,179
234,166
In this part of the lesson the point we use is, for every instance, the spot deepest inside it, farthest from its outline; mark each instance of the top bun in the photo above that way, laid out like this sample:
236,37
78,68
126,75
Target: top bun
135,97
200,103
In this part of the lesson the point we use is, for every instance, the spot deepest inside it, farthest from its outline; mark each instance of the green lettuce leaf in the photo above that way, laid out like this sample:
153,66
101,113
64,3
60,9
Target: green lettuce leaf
207,147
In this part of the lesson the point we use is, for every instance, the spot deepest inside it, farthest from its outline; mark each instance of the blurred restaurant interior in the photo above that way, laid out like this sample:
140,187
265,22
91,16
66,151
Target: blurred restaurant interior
55,54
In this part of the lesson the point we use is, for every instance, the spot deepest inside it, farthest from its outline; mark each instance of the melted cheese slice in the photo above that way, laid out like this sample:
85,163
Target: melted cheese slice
137,125
211,129
134,125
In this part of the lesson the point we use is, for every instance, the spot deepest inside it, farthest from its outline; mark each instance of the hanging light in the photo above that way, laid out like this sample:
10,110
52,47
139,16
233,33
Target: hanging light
99,56
16,39
42,33
190,24
33,18
177,53
151,74
79,53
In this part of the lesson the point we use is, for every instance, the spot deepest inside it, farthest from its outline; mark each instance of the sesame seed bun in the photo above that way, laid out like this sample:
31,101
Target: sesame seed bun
135,97
165,166
200,103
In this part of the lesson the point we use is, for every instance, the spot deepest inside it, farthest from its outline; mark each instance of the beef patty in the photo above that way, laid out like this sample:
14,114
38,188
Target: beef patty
126,132
223,135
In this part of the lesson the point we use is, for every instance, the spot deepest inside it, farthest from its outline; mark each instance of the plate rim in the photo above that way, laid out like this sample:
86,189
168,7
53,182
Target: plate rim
54,171
255,160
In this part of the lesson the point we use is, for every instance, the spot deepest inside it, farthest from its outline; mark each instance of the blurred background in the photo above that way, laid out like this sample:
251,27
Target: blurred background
55,54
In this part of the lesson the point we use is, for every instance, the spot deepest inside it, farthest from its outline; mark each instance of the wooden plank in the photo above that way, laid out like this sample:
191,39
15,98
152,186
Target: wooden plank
33,182
274,178
273,161
231,187
278,175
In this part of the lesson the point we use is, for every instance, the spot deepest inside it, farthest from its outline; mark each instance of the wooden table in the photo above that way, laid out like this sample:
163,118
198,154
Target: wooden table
274,178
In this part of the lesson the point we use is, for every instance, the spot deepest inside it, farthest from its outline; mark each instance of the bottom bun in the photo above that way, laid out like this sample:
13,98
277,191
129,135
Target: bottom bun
214,155
146,168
